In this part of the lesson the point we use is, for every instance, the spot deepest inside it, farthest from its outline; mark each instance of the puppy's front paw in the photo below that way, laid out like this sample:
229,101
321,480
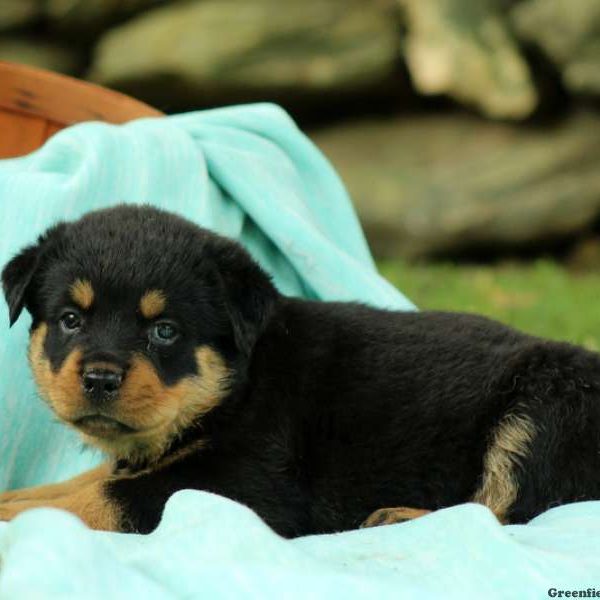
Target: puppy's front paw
10,509
10,496
387,516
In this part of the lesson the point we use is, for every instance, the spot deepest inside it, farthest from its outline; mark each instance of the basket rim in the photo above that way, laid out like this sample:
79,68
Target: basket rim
65,100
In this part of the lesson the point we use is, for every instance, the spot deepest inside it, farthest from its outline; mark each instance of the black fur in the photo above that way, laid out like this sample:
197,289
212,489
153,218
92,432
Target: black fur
336,409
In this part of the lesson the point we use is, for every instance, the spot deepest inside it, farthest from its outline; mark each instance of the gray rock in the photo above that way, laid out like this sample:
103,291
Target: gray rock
39,53
463,48
86,15
429,185
212,50
16,13
569,33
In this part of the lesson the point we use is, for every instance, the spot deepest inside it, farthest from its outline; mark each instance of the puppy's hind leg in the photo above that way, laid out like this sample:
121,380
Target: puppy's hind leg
546,450
509,447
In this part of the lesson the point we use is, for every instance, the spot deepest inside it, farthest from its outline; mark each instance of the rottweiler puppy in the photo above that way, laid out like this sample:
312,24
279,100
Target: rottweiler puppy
169,348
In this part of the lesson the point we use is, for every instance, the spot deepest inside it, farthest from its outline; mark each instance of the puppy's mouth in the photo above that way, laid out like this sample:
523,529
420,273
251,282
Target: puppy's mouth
102,426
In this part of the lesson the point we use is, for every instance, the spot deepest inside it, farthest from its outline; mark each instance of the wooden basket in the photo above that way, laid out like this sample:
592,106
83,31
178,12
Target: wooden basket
35,104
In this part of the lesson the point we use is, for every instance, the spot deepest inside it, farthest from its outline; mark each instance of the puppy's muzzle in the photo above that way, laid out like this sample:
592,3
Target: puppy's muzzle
101,385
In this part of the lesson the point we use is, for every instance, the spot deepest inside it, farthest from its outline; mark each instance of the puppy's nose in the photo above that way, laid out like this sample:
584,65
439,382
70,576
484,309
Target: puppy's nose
101,385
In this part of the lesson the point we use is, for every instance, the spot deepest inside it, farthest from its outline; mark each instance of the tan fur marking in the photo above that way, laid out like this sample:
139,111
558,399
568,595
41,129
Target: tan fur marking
92,506
61,390
160,412
389,516
39,365
82,293
152,304
56,490
510,444
84,496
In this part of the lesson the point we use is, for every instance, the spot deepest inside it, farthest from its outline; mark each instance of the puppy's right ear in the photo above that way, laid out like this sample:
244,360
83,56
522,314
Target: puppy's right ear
18,274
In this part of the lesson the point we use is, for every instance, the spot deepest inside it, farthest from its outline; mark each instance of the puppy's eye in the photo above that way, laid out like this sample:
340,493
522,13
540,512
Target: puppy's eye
163,333
70,322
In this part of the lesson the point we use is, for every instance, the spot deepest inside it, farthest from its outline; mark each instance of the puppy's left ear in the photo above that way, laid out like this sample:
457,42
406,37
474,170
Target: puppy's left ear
249,296
18,274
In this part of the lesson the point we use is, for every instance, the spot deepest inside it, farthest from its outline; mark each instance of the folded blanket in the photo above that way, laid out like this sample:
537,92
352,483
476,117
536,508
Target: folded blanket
246,172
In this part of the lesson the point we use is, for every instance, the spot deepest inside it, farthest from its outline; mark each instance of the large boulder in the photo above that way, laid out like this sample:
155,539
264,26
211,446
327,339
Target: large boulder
40,53
463,48
431,185
568,31
207,51
17,13
85,16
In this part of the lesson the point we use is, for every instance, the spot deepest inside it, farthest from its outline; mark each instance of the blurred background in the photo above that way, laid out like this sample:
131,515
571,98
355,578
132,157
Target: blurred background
467,131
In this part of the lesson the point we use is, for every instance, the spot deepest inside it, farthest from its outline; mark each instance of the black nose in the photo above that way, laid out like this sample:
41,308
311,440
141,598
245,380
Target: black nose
101,384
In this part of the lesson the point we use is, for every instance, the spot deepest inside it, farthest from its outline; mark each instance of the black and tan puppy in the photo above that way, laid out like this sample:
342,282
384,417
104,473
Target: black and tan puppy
167,347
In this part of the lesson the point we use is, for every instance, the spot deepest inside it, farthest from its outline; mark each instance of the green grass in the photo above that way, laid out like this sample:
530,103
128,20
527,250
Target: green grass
542,298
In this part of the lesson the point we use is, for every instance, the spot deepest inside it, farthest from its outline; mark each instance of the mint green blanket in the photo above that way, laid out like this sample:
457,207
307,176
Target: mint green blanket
246,172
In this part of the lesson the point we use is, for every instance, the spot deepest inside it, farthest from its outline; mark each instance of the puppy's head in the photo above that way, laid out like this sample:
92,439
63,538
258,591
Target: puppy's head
142,323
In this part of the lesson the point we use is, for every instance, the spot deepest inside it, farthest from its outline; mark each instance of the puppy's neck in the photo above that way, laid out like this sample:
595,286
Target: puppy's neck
134,453
124,467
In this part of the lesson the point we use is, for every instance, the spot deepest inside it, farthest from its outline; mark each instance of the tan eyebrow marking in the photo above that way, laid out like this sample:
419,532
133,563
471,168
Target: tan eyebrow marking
82,293
152,303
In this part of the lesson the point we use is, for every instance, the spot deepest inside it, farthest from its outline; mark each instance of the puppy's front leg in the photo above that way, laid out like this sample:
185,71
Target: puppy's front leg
84,496
56,490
